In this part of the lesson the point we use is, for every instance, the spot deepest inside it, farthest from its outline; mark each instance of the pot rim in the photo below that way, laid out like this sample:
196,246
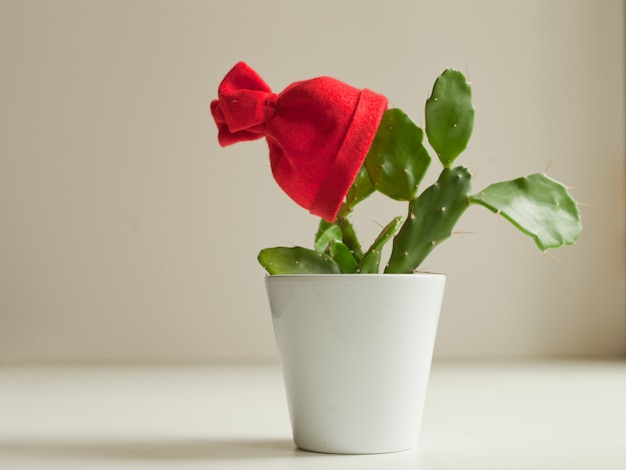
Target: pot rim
356,276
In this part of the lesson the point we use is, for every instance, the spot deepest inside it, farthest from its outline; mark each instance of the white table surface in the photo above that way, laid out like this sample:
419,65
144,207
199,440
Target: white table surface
479,415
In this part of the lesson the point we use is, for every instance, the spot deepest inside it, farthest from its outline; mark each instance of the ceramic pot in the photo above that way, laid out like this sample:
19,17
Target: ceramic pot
356,352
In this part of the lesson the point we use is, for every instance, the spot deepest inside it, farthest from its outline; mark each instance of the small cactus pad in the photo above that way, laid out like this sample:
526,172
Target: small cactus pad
297,260
397,160
341,255
432,216
350,238
326,234
370,263
361,188
450,116
538,206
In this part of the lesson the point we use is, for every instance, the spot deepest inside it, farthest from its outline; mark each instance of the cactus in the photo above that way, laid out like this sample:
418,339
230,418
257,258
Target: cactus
450,116
371,260
431,218
397,161
340,253
326,234
361,188
395,166
297,260
537,205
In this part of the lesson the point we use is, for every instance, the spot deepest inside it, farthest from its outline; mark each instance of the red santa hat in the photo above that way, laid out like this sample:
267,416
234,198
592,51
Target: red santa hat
318,132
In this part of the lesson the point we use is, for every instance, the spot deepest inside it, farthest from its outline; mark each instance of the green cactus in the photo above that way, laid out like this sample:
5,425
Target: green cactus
395,166
431,218
326,234
371,260
397,161
341,254
361,188
450,116
538,206
297,260
349,236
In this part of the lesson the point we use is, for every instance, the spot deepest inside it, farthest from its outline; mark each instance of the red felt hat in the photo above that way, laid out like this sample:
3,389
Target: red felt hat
318,132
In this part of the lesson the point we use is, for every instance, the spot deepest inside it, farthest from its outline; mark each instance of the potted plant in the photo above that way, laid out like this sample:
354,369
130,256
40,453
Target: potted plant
356,335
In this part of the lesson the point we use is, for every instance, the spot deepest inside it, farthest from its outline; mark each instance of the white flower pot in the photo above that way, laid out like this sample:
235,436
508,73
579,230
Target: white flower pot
356,352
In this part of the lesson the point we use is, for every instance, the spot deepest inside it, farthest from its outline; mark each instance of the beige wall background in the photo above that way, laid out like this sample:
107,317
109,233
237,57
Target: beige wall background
128,233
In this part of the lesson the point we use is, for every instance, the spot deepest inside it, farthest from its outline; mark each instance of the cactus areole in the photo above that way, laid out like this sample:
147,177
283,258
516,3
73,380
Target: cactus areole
332,145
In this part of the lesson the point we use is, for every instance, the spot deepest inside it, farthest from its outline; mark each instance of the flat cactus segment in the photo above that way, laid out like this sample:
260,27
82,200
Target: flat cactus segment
397,160
538,206
297,260
350,238
361,188
341,255
432,217
450,116
341,230
326,234
370,264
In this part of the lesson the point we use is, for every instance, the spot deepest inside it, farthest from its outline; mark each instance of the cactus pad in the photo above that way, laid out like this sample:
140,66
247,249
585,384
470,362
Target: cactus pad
397,160
340,254
326,234
450,116
297,260
370,263
538,206
431,218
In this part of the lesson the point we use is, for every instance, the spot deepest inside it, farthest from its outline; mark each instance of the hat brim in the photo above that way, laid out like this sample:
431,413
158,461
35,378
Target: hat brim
344,169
